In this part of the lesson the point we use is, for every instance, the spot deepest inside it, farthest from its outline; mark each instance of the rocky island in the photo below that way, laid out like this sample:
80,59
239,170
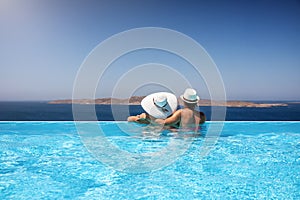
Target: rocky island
136,100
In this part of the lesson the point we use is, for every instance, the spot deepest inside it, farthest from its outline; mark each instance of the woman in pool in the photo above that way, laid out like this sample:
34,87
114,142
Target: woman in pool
186,118
157,106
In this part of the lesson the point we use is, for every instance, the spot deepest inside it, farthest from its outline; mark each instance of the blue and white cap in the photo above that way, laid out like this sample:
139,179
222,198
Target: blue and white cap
190,96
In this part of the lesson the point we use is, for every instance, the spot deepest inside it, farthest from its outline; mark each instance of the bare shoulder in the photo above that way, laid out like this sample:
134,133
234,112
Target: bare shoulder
177,112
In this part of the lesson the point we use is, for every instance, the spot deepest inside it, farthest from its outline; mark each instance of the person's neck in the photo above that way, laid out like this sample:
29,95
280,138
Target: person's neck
189,108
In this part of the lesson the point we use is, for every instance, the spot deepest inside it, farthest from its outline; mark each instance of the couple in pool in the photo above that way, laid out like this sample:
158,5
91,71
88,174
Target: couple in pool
161,108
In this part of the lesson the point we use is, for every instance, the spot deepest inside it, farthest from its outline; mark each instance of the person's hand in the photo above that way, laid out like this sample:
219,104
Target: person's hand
142,116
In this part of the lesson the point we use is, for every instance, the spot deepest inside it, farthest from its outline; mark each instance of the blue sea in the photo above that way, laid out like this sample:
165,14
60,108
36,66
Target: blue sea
42,111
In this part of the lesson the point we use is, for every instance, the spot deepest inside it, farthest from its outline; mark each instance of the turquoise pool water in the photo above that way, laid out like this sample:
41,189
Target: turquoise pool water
251,160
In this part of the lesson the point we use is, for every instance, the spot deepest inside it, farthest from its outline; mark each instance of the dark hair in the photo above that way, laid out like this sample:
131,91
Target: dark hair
202,118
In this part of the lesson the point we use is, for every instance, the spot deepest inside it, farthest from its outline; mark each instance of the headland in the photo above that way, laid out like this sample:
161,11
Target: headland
136,100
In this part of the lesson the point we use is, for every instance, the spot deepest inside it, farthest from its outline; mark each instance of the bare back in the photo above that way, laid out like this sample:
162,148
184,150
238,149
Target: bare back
190,119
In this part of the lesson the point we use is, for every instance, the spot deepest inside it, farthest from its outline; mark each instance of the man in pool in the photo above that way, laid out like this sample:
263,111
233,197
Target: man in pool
187,118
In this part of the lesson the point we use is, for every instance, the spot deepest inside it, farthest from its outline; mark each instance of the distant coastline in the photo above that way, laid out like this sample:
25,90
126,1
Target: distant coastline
136,100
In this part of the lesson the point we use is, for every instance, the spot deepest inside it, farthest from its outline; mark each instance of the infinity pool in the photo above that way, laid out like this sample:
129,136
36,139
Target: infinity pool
50,160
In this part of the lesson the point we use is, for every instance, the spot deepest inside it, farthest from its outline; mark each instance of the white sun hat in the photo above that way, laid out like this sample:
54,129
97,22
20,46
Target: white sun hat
190,96
160,105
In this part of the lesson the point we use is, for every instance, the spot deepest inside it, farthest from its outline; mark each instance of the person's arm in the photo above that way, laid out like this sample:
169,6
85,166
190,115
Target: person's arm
142,118
202,118
173,119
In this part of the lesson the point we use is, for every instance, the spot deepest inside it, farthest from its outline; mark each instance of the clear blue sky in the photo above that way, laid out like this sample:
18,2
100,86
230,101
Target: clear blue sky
255,44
